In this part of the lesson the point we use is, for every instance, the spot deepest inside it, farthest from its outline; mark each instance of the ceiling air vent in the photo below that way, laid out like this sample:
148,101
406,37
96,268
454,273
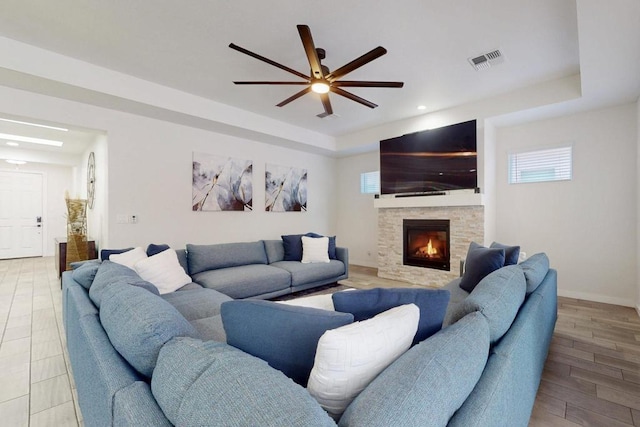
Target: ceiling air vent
486,60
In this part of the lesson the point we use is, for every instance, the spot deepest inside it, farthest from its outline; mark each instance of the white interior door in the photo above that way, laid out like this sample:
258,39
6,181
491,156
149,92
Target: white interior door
20,214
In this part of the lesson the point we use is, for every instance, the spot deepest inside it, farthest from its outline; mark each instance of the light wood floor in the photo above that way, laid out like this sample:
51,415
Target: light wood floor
592,375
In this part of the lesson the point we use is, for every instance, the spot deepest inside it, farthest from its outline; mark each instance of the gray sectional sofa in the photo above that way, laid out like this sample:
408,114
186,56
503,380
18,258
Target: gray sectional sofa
258,269
141,359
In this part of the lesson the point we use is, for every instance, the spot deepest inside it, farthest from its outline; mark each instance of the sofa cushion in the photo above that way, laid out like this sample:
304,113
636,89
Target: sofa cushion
86,272
139,323
302,274
429,382
364,304
511,253
535,268
213,384
163,270
315,249
110,273
245,281
129,258
182,259
274,250
285,336
350,357
211,257
196,303
480,261
498,297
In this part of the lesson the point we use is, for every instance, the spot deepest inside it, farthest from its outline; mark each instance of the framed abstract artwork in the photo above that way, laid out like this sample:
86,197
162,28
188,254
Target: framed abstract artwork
285,189
221,183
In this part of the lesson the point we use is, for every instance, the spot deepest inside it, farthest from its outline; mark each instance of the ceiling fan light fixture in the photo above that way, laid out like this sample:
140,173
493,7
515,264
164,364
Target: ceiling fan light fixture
320,87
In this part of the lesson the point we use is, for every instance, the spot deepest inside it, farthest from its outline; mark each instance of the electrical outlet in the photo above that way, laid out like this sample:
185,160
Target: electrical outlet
121,219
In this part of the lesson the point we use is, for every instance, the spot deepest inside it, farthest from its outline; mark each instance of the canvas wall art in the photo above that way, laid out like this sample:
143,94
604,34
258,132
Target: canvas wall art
286,189
221,183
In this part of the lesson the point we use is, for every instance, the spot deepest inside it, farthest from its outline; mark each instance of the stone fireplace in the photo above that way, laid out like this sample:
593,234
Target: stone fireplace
466,224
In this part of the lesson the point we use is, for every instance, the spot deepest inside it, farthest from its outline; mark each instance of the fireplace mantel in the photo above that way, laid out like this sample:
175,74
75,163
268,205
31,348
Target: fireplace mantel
463,199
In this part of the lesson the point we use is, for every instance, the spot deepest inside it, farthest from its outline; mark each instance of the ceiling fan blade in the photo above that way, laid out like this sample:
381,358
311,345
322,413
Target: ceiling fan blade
350,83
310,49
271,83
294,96
326,103
268,61
353,97
357,63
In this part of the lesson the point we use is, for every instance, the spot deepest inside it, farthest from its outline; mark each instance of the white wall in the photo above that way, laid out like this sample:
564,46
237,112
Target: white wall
357,221
149,175
587,226
56,180
638,202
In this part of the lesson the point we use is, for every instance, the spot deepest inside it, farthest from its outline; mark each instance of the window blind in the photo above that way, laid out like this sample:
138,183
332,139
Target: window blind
552,164
370,182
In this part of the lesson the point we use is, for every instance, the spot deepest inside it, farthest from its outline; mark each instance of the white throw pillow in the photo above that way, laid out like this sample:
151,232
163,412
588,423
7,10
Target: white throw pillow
129,258
350,357
163,271
315,249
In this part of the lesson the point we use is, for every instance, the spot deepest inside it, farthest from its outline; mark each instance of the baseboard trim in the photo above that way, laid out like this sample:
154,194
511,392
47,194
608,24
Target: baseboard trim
598,298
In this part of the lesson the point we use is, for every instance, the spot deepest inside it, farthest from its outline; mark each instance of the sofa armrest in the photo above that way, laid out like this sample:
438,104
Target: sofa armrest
343,255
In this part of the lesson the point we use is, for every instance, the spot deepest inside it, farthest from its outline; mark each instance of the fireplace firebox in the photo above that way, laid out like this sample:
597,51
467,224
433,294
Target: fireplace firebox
426,243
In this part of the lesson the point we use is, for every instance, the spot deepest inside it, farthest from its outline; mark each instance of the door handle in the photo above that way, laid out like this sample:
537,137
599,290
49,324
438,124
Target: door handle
38,219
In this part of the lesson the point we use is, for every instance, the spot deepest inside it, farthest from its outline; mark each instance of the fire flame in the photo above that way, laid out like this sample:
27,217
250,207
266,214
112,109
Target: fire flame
428,250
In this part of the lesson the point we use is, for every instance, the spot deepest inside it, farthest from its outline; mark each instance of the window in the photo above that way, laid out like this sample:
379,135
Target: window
551,164
370,182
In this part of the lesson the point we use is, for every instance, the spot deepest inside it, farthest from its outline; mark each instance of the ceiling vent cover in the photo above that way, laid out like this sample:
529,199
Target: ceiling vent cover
486,60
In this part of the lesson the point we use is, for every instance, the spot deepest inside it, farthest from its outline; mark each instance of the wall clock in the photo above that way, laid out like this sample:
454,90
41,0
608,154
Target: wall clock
91,180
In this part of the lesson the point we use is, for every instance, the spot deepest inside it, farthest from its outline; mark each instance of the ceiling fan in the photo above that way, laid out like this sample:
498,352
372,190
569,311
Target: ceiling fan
321,80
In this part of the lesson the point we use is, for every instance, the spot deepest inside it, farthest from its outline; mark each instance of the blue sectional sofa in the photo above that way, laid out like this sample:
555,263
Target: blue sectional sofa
141,359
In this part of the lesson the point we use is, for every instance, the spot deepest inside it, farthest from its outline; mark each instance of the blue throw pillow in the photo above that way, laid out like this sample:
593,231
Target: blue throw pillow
154,249
283,335
106,253
479,263
292,247
365,304
511,253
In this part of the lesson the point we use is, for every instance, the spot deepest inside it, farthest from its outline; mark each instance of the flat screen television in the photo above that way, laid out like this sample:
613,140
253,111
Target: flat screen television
431,161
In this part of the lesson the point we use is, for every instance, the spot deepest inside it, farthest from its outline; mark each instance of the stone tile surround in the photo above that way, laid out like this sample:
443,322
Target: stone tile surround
466,225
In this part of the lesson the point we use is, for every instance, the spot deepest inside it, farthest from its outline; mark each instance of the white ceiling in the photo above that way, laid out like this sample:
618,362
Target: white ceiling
184,45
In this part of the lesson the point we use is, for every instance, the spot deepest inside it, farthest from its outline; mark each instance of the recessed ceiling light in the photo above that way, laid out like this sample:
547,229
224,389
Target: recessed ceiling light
12,143
32,140
16,162
422,107
34,124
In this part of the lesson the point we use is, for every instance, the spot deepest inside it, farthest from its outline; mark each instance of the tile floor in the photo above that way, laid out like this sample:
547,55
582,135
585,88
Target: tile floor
36,388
